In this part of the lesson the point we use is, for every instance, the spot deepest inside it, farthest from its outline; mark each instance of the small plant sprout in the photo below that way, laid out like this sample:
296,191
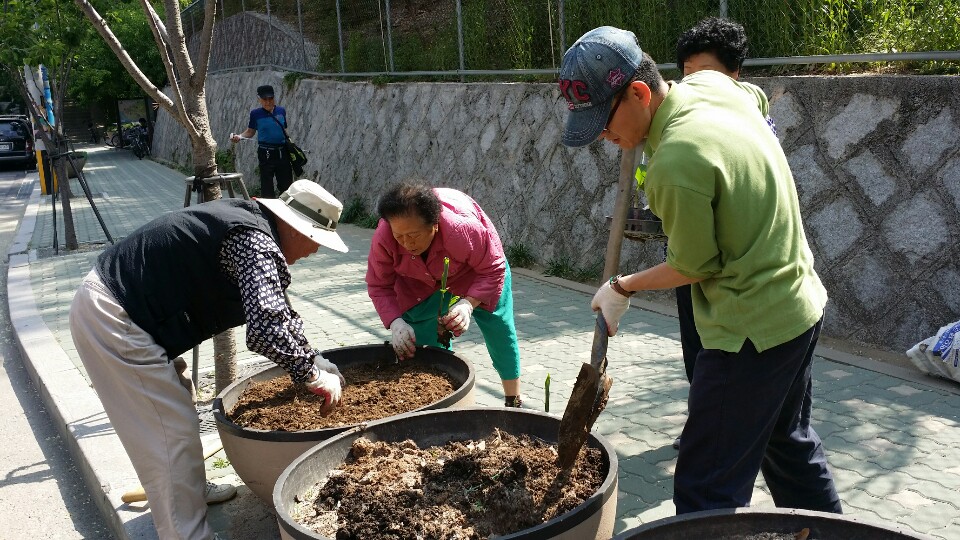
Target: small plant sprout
546,394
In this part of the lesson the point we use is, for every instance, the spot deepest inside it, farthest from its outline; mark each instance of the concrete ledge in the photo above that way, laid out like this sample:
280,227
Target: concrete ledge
73,405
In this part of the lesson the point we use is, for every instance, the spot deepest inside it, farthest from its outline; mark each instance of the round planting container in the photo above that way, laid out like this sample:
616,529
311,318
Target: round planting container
259,456
745,522
593,519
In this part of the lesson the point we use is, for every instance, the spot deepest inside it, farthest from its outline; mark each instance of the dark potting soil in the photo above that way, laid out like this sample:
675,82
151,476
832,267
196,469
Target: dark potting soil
463,490
372,392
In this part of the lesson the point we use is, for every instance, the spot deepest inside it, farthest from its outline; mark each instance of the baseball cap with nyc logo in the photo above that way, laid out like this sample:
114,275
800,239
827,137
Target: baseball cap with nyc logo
594,69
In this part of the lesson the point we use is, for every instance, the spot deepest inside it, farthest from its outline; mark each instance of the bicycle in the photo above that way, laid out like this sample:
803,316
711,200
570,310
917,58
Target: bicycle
136,139
114,139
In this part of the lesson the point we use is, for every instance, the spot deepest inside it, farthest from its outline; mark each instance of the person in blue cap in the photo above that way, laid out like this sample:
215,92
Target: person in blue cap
269,123
720,182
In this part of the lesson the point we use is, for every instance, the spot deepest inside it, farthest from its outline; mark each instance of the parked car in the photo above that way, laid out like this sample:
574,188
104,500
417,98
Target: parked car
16,141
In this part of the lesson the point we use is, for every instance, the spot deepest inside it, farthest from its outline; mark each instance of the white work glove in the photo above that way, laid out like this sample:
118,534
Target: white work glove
325,365
403,340
457,320
327,386
612,304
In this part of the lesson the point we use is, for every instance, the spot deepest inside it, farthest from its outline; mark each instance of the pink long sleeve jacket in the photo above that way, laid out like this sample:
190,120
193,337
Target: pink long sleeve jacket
397,280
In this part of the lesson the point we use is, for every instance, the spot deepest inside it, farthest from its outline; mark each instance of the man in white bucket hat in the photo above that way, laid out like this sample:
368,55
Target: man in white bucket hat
173,283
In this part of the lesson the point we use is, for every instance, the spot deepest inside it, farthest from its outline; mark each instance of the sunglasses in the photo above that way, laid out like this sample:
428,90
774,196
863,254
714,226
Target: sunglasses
613,111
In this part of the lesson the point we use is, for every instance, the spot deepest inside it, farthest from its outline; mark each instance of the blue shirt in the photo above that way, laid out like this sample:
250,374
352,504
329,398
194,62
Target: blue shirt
268,131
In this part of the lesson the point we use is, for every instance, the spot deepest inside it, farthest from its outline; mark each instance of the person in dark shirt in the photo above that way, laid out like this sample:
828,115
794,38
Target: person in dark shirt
173,283
268,122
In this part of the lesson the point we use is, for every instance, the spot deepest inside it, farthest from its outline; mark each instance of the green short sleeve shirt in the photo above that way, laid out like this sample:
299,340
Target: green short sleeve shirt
720,182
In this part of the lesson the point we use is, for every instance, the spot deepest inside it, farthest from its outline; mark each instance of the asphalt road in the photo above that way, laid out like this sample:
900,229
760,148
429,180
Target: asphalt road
42,494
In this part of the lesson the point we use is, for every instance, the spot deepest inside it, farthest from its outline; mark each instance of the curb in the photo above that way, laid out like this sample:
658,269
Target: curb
73,405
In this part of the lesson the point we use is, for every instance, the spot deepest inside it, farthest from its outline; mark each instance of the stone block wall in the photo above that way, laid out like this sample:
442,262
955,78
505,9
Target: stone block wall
251,38
876,162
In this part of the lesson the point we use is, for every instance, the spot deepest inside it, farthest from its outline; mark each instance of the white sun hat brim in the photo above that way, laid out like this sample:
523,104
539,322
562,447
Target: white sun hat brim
315,196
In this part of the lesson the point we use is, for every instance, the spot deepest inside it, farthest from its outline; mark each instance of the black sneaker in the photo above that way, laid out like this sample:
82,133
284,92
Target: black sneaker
513,401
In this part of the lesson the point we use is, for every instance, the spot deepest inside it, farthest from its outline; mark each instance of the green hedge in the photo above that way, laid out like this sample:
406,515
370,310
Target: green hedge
522,34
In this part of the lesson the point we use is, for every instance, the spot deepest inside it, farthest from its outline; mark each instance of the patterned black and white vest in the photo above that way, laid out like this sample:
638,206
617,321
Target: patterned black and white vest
167,274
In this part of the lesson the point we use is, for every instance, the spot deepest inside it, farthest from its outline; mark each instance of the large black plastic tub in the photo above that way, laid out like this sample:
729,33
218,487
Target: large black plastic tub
749,521
259,456
594,519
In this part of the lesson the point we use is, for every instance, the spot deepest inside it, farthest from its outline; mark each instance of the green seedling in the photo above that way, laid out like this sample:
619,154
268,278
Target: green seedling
546,394
221,463
443,335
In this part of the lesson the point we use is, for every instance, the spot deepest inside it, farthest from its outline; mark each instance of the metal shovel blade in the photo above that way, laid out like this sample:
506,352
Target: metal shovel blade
588,398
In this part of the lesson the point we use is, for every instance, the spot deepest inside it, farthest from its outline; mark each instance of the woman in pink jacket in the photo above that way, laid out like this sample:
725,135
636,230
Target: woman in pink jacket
419,226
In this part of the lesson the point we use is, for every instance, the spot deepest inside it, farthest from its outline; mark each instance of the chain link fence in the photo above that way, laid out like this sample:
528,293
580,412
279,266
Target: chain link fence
528,37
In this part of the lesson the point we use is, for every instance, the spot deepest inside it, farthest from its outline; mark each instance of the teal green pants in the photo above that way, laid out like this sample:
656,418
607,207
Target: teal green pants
497,327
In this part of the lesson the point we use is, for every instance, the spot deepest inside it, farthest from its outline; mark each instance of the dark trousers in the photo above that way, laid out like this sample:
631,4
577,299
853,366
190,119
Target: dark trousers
750,413
689,338
274,162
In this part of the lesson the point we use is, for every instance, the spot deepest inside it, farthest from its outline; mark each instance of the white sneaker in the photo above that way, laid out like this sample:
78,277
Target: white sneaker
218,493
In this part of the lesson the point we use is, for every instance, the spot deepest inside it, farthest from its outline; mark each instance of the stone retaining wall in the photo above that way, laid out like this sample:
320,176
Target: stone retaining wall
876,161
251,38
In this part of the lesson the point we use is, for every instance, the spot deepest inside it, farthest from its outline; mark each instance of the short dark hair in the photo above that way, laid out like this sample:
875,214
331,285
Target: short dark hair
723,37
410,198
648,74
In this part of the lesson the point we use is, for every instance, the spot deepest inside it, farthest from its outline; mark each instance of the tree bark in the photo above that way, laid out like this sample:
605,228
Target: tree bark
187,104
63,186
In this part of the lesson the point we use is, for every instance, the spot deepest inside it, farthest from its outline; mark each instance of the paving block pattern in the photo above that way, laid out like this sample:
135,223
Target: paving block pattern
892,444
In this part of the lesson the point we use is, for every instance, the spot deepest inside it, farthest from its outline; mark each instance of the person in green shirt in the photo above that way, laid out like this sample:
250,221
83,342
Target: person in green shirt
720,182
717,44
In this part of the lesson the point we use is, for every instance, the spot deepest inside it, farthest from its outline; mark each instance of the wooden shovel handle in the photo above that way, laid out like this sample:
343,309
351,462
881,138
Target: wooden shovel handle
134,495
138,494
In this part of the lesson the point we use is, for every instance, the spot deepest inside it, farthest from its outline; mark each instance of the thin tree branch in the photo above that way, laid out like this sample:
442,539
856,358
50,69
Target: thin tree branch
141,79
178,43
155,19
162,38
206,42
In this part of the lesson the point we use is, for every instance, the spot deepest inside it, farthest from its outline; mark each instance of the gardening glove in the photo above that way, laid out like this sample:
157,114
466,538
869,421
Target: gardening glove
325,365
404,341
612,304
457,320
327,386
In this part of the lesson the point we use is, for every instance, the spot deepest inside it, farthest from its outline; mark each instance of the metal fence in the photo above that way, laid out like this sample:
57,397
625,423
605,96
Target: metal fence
528,37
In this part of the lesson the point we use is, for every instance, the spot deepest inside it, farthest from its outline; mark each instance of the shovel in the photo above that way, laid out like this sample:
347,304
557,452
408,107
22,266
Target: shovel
588,398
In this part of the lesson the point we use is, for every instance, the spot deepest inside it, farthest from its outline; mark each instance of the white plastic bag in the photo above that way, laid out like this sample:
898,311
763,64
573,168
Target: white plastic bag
940,354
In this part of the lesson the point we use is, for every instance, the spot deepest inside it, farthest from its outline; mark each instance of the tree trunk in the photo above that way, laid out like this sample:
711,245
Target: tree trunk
187,104
63,187
204,166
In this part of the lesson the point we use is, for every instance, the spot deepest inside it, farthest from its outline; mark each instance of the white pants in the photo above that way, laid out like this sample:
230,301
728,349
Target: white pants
150,410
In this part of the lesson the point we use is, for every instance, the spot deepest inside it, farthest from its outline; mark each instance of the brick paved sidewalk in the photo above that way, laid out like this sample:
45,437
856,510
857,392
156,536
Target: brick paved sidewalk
893,443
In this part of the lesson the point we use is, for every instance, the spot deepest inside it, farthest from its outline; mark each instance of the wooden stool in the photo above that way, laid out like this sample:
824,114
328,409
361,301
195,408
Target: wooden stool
226,181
